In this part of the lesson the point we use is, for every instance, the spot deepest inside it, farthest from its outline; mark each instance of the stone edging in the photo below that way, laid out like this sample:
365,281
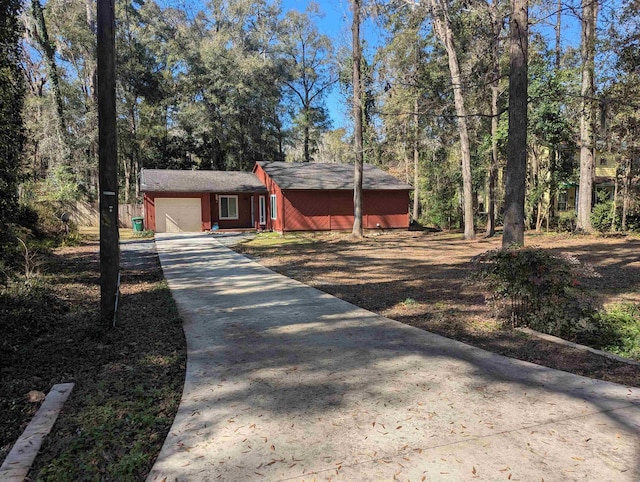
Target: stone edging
18,463
560,341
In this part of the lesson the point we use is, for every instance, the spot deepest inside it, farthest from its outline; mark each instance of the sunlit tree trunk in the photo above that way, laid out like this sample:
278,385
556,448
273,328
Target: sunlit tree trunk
515,171
416,163
443,30
495,91
357,118
587,116
42,37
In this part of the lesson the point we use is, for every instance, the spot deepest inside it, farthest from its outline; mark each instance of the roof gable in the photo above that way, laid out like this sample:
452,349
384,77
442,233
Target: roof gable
316,176
172,180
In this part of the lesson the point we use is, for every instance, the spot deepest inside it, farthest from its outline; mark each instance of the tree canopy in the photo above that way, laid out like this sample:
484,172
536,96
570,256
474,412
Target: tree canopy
235,82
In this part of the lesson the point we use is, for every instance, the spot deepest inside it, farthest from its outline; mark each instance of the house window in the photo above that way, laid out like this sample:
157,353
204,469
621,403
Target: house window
262,208
562,201
274,207
228,207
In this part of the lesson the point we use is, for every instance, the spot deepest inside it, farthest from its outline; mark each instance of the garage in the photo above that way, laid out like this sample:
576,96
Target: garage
178,215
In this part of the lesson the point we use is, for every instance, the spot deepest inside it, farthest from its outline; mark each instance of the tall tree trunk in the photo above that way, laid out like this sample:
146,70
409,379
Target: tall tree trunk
534,185
442,28
587,115
42,37
405,153
553,152
416,163
614,206
126,167
307,155
515,171
495,92
91,25
357,118
625,197
558,33
493,171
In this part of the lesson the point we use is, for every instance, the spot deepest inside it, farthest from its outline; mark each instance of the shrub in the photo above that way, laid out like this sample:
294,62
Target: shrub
535,288
602,216
633,222
26,216
62,184
567,222
49,224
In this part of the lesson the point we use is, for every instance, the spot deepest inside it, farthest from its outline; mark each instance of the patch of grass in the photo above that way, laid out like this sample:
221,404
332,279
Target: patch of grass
622,320
146,234
128,380
409,302
270,239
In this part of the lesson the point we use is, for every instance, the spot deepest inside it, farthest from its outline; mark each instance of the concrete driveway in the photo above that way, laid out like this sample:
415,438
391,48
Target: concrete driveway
285,382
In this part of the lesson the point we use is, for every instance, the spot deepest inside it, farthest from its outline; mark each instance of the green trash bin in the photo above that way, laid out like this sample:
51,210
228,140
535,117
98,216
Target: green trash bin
138,224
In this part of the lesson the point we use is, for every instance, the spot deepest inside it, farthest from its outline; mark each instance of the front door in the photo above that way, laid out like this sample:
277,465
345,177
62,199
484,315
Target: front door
263,210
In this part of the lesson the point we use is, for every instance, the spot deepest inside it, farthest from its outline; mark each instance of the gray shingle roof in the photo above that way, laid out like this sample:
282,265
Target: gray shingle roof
169,180
312,176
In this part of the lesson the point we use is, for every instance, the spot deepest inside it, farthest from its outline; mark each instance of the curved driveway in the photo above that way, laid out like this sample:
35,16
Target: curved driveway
285,382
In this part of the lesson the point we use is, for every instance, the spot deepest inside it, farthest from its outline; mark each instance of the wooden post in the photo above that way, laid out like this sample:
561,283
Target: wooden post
108,161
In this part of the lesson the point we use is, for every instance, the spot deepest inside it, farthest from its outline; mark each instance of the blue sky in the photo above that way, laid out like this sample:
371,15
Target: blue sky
336,23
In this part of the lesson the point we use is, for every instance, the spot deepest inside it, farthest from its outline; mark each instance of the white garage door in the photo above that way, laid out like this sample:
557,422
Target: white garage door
178,215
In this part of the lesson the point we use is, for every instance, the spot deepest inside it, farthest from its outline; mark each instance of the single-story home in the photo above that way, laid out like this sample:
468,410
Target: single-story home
278,196
192,201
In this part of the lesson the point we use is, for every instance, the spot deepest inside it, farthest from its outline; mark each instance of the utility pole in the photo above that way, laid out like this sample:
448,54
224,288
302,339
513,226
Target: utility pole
108,162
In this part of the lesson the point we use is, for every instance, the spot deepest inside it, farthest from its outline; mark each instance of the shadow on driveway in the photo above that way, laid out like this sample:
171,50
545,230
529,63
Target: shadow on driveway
285,382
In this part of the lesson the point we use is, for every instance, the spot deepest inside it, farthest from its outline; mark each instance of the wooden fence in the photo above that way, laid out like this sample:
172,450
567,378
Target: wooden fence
88,214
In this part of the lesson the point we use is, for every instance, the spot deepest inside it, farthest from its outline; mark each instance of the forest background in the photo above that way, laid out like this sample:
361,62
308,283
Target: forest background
223,84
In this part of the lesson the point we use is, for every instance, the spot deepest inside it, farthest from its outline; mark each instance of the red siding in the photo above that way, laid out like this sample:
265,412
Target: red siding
341,210
307,211
244,211
333,210
388,209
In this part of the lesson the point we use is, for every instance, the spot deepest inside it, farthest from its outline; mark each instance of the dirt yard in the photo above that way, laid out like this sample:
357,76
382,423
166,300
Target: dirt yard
128,380
420,279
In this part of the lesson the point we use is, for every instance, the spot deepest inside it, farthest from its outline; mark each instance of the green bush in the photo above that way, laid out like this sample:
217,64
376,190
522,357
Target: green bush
633,222
602,217
566,222
49,225
535,288
62,185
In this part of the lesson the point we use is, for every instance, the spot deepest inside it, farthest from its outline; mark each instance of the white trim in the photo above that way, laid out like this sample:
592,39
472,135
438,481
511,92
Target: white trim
262,209
274,206
228,217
